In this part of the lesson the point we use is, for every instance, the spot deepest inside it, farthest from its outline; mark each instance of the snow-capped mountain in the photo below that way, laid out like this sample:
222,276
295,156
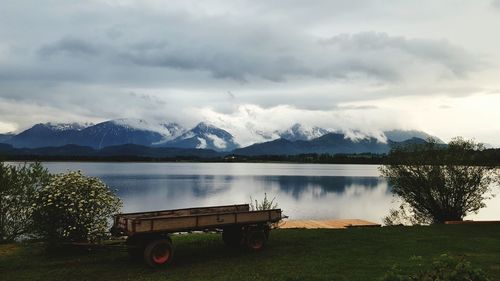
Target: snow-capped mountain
67,126
128,131
204,136
47,134
298,138
168,130
113,132
330,143
300,132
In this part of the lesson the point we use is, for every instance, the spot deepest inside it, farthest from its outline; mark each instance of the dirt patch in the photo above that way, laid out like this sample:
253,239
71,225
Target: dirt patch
333,224
8,249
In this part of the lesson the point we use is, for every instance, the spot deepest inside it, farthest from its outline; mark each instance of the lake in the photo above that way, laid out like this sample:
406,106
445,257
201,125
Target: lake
303,191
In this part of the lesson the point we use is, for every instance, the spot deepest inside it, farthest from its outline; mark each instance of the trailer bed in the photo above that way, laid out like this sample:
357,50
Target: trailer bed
192,219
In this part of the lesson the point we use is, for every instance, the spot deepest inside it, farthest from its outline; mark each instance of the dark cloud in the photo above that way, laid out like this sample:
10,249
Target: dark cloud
69,46
496,4
345,56
367,54
368,46
126,43
222,56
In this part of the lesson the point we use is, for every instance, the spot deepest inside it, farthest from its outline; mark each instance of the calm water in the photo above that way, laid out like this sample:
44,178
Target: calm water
303,191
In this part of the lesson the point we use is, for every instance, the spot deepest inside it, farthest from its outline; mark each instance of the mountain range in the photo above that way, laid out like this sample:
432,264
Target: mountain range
330,143
150,138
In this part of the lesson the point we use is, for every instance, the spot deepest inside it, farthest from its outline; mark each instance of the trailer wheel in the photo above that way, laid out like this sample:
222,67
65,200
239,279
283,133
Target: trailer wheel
158,252
232,236
256,240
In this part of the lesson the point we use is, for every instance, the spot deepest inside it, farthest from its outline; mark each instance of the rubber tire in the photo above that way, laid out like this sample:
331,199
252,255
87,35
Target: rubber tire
232,237
256,240
158,253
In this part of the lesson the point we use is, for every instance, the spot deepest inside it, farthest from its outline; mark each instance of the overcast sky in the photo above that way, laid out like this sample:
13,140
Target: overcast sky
255,65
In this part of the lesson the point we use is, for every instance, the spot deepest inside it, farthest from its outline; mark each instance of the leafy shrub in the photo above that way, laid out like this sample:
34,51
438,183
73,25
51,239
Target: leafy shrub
439,183
265,204
73,207
443,268
18,186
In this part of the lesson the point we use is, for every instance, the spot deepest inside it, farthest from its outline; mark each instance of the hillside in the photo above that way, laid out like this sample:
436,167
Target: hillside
331,143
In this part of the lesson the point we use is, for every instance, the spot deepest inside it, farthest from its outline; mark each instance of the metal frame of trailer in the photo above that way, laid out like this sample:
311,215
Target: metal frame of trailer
148,233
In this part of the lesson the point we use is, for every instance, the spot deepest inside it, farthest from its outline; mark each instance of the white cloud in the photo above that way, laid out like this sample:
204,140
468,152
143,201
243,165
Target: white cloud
202,144
252,123
7,127
496,4
218,142
251,66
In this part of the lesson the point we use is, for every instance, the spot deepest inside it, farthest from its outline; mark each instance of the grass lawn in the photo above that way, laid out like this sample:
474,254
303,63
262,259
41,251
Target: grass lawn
292,254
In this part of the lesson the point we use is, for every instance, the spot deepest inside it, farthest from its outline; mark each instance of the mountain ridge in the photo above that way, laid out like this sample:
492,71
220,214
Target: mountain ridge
107,133
331,143
203,136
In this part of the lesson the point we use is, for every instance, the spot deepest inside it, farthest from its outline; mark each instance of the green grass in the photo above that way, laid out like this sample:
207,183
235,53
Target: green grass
352,254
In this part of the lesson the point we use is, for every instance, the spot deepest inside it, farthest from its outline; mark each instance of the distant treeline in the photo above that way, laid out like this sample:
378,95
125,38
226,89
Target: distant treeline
488,157
117,158
365,158
362,158
485,157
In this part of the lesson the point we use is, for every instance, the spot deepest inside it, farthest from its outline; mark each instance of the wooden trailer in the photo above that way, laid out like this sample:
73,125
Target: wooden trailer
148,233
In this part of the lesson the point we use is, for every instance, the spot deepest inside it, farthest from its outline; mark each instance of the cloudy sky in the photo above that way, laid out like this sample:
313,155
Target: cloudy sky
255,65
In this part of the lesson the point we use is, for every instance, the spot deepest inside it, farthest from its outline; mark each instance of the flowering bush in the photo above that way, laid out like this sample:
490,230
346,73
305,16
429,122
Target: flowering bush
73,207
18,186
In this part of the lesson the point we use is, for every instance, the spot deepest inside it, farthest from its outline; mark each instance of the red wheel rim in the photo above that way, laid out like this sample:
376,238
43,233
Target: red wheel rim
161,255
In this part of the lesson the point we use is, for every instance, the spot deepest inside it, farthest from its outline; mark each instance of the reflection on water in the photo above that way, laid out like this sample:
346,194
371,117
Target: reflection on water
296,186
302,191
299,196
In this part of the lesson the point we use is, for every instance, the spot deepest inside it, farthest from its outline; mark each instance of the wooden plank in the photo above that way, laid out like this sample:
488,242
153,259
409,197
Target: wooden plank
202,211
216,220
174,223
252,217
188,211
